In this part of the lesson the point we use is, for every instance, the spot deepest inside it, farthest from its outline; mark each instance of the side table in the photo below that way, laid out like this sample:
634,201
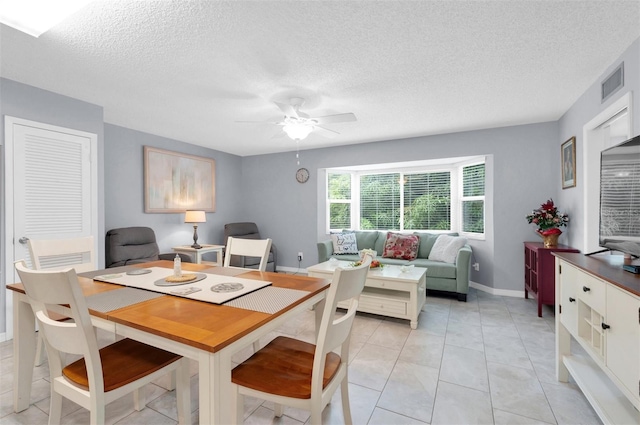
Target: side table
197,253
540,272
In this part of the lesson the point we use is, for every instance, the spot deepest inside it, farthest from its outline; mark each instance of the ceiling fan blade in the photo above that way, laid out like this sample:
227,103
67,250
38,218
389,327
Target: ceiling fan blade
279,135
288,110
260,122
326,132
332,119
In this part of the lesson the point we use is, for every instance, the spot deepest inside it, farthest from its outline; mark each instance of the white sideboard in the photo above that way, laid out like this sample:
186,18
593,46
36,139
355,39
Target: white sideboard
598,304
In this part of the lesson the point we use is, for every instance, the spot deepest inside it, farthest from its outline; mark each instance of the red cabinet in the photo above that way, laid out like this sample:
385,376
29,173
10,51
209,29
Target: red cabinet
539,272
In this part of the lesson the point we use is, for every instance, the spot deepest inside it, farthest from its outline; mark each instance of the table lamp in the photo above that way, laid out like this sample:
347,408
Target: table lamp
195,217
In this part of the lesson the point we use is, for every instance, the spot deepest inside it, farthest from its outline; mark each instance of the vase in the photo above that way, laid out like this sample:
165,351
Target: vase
550,237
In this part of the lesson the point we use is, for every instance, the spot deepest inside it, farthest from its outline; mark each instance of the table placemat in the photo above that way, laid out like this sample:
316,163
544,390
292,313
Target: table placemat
268,300
119,298
200,290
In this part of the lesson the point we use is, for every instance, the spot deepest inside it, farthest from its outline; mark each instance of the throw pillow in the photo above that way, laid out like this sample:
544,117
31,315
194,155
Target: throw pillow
446,248
344,243
401,246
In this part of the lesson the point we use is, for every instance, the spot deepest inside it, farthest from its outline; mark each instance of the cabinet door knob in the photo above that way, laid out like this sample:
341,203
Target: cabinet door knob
586,289
572,300
605,326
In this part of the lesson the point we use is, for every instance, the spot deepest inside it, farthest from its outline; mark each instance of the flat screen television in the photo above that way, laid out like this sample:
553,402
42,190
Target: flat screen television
620,197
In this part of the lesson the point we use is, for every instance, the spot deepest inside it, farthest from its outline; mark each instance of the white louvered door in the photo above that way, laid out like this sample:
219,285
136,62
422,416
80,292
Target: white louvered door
51,187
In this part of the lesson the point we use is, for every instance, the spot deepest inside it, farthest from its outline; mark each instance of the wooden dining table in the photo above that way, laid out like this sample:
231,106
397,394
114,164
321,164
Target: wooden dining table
208,333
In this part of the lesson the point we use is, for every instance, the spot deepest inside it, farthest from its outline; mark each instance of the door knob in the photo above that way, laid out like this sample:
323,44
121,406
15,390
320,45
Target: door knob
572,300
586,288
605,326
23,240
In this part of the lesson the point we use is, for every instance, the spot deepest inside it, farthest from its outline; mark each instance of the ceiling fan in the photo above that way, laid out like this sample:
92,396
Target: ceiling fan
298,125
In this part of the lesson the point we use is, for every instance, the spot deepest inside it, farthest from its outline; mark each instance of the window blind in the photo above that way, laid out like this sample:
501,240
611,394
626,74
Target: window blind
427,201
620,198
380,201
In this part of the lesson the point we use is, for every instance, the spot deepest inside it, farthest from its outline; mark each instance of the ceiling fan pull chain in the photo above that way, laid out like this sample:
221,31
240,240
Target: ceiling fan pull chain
298,151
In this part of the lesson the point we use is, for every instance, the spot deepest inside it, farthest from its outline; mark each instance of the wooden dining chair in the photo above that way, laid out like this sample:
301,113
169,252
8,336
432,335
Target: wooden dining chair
298,374
58,254
101,375
249,248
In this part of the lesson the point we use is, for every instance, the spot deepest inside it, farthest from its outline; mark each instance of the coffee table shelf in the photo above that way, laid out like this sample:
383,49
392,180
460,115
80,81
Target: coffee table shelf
389,291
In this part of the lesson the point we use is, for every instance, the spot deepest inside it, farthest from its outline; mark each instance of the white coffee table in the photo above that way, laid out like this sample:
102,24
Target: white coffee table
388,291
196,254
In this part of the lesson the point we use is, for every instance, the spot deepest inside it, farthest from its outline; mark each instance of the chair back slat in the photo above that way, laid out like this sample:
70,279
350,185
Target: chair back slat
59,254
248,248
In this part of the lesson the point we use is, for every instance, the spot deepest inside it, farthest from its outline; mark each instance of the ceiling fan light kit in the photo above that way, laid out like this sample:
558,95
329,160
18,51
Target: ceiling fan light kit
297,130
298,125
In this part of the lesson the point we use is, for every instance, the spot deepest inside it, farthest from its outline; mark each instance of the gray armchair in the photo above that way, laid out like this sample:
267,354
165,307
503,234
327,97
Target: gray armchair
133,245
248,231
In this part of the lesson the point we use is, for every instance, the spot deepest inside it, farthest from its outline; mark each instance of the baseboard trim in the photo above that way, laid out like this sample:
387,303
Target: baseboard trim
494,291
3,337
292,270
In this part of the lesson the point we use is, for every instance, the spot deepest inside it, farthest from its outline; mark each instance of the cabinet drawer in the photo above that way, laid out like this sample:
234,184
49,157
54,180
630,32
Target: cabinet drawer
382,305
592,292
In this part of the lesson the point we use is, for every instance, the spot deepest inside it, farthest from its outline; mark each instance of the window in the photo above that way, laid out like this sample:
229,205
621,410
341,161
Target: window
427,201
339,193
442,196
379,201
472,199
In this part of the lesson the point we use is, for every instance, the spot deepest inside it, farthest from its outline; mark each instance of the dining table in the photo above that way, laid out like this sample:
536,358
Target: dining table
209,333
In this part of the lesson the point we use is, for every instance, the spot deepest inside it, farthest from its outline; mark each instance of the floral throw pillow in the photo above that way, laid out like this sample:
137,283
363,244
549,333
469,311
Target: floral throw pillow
344,243
401,246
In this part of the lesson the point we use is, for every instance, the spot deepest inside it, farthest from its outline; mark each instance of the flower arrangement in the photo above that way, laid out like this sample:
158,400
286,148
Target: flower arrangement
375,264
548,219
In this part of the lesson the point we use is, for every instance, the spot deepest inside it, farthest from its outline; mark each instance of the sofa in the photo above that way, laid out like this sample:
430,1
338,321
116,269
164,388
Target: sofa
448,277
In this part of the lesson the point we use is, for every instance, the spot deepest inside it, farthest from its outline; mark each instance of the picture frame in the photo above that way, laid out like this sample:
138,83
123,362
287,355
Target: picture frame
568,163
175,182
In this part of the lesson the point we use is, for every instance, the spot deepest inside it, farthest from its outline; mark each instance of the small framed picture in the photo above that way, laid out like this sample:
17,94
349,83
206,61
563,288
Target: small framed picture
568,153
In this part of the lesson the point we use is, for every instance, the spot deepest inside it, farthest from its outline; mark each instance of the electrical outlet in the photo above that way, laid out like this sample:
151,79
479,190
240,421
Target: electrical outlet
476,266
300,256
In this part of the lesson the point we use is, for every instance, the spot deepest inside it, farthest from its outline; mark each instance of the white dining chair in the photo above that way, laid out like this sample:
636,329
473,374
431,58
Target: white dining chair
298,374
249,248
101,375
57,254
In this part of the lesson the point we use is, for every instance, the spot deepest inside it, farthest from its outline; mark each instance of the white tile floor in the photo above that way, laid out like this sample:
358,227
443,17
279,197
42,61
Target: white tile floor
486,361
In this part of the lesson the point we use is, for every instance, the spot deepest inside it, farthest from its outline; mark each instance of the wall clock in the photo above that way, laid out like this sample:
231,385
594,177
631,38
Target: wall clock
302,175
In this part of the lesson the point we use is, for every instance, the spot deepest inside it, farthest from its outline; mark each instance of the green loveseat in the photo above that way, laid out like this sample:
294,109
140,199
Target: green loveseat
441,276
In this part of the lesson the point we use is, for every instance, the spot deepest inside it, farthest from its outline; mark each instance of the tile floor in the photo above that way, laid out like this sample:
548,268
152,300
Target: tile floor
487,361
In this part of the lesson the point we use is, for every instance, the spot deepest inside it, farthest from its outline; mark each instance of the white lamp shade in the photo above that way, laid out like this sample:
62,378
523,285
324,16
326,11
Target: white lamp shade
195,217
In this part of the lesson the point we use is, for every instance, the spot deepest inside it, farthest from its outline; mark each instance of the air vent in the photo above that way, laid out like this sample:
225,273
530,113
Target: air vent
613,82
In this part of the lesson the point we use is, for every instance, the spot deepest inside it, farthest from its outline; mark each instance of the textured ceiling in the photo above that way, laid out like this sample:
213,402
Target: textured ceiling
189,70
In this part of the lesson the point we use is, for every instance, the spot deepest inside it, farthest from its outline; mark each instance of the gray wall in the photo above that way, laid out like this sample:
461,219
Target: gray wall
587,107
124,190
522,166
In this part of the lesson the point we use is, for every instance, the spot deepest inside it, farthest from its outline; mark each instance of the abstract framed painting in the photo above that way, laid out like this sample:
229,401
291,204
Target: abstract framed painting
175,182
